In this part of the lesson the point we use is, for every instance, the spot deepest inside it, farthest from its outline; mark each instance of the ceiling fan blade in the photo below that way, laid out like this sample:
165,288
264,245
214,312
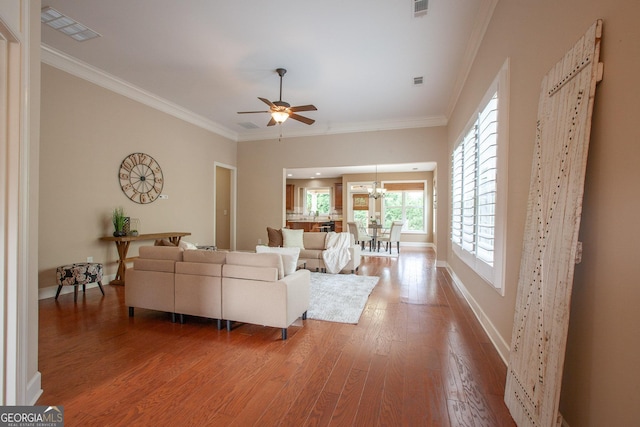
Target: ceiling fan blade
303,108
271,122
266,101
302,119
251,112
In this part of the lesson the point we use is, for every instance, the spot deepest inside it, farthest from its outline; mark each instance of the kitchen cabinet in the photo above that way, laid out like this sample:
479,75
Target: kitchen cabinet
337,196
311,225
290,196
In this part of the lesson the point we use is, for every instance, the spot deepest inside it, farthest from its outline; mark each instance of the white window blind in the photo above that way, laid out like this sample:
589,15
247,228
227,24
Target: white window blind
478,196
486,185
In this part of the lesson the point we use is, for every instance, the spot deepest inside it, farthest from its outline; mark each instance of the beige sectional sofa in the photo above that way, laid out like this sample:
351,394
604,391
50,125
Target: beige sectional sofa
234,286
314,245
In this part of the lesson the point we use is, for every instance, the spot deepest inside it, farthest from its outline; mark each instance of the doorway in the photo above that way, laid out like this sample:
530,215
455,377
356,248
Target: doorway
224,206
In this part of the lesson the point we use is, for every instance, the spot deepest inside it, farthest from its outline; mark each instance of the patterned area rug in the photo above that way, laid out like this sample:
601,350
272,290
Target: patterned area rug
339,297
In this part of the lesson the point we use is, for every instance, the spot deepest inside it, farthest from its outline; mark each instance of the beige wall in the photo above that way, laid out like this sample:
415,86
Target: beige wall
86,132
261,164
601,369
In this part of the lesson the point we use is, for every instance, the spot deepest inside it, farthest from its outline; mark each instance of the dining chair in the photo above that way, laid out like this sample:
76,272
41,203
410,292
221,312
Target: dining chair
393,236
359,235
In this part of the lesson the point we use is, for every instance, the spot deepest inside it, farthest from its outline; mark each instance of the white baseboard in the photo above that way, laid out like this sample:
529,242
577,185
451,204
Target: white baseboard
34,389
417,245
50,291
498,342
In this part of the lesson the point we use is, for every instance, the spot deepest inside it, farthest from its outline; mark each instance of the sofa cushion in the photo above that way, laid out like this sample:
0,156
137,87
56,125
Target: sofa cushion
202,255
256,260
310,254
199,269
248,272
161,252
314,240
275,237
154,265
292,238
289,256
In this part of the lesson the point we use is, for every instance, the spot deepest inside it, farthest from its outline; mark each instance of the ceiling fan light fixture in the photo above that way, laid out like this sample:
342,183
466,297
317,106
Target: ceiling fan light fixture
280,116
280,110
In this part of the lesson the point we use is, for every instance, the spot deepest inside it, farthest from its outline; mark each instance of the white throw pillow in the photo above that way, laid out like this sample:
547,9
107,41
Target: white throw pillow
292,238
187,246
289,256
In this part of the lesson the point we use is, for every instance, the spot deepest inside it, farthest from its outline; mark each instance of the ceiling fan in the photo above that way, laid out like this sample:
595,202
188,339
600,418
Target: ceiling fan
280,110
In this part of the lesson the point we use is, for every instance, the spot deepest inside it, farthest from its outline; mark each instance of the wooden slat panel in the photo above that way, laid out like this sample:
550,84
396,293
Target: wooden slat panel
551,232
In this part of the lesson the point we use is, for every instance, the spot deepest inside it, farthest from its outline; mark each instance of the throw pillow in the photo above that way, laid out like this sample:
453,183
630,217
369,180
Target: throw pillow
187,246
292,238
289,256
275,237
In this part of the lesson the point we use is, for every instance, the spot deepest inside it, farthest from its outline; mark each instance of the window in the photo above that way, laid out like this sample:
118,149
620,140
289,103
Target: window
478,187
360,208
318,201
405,201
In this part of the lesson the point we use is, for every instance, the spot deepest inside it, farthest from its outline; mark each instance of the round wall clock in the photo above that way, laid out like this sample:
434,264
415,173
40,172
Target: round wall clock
141,178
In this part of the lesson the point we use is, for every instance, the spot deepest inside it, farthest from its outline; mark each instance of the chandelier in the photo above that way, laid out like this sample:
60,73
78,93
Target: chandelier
376,192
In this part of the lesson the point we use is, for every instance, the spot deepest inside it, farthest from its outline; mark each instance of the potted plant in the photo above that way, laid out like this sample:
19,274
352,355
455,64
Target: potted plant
118,219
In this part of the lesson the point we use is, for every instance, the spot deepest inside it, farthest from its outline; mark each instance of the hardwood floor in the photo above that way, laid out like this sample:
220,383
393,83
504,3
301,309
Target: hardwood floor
417,357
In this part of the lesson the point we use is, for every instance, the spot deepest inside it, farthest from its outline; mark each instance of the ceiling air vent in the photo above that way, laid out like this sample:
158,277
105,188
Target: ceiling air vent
418,80
56,20
420,7
249,125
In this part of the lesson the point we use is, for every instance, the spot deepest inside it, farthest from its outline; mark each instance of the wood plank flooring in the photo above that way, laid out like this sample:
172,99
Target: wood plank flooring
417,357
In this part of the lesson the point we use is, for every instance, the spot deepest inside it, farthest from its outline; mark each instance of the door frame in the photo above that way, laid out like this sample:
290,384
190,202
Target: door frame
234,203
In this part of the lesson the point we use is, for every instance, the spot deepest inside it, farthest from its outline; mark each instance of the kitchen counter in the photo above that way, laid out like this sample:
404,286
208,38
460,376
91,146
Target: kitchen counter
312,225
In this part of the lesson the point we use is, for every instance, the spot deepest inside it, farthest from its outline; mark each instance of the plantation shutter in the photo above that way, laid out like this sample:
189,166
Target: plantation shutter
456,195
486,199
469,163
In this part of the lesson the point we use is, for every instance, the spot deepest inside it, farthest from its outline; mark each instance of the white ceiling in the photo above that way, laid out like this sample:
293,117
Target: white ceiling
355,60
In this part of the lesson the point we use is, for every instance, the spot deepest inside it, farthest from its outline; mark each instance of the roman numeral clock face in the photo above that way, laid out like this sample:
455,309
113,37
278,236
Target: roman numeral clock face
141,178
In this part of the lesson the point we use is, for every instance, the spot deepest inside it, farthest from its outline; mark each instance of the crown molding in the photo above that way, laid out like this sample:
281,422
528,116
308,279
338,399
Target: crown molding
346,128
74,66
475,40
78,68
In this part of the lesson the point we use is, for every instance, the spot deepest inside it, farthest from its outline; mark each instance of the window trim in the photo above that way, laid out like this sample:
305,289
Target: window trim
495,275
425,195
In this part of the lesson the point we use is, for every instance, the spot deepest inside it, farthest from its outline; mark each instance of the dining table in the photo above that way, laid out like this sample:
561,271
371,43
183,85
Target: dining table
374,233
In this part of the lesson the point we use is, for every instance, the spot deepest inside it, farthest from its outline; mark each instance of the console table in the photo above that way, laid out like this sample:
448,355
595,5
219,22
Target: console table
122,244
